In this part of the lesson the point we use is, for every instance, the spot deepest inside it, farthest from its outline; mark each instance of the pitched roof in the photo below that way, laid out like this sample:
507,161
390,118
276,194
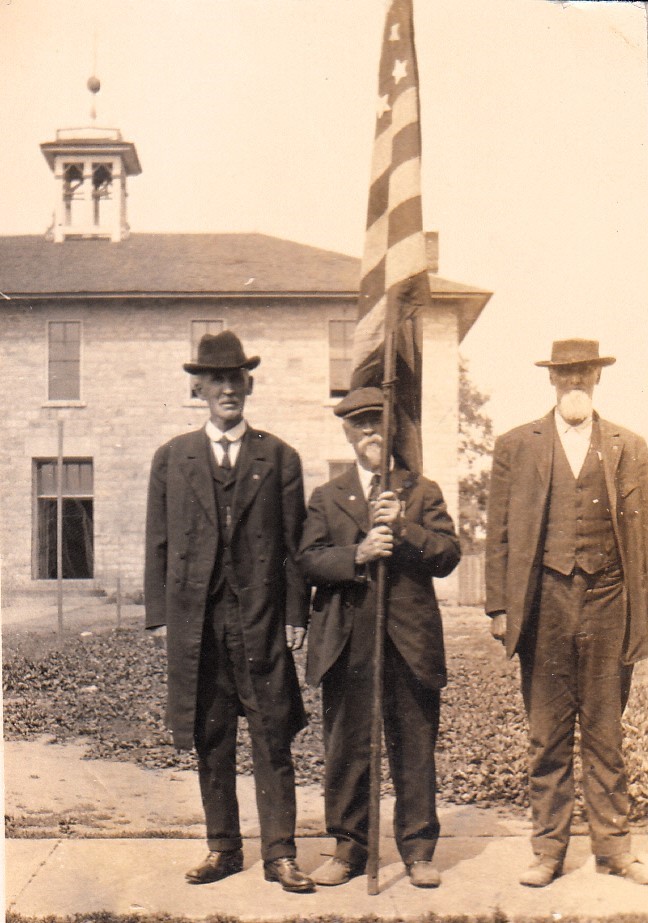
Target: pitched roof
194,264
172,263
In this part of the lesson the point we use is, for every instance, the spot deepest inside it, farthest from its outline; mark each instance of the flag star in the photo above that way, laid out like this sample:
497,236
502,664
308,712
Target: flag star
383,105
400,70
394,35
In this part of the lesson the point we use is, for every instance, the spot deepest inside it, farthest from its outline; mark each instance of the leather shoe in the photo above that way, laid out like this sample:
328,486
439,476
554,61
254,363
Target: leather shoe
541,872
626,866
422,874
217,865
289,876
337,872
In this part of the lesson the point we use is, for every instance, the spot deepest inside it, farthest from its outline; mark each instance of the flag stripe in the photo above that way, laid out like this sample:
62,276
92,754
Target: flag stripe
406,145
369,333
373,286
378,197
402,181
404,221
403,257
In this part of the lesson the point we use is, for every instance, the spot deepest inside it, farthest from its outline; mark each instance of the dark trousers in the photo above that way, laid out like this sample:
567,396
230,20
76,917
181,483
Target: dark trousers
225,690
411,721
571,670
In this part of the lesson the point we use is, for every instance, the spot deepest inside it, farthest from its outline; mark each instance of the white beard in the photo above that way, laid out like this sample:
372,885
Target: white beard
575,406
372,454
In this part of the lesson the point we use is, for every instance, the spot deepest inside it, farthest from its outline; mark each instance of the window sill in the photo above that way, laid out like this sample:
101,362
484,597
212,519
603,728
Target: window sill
64,404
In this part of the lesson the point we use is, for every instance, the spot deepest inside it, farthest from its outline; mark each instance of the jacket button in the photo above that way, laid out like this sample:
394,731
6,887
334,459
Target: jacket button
182,555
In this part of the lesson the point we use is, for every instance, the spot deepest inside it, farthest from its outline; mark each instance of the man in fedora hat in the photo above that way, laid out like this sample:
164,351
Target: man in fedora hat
350,525
225,514
566,578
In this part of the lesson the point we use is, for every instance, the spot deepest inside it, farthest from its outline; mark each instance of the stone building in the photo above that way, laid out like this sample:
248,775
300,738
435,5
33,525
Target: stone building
95,323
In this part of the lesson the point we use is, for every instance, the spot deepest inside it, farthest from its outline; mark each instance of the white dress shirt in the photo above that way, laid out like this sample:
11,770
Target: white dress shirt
365,479
575,440
233,435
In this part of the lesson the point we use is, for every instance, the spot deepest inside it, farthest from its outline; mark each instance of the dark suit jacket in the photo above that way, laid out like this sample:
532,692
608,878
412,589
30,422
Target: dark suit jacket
182,539
519,495
336,523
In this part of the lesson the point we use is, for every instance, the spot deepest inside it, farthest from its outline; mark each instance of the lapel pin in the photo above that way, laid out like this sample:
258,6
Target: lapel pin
255,477
352,497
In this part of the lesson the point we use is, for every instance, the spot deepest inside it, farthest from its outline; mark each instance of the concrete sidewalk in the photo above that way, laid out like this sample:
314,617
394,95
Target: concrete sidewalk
63,877
136,832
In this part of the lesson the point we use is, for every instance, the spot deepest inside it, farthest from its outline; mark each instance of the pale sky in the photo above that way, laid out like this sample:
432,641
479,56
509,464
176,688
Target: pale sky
258,115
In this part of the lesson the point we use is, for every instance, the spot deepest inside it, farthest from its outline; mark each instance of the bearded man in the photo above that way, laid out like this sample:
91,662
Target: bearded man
566,578
349,527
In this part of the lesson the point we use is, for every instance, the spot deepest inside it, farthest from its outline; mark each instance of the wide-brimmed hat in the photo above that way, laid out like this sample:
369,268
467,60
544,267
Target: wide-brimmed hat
362,400
575,352
220,351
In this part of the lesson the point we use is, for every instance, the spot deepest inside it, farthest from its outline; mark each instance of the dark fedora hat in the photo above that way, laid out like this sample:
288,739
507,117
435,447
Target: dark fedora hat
362,400
575,352
220,351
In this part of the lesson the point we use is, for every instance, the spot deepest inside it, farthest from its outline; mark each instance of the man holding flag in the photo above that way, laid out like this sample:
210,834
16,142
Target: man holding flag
375,537
347,532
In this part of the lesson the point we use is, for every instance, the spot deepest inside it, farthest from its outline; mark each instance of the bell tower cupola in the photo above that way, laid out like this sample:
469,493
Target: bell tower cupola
91,166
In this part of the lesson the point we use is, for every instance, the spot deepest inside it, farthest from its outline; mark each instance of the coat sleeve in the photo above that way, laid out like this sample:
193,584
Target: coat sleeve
497,529
323,562
430,539
293,515
155,567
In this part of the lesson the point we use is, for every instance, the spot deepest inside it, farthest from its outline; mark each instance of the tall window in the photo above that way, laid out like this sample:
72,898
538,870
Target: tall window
78,514
72,192
64,360
198,329
340,356
101,187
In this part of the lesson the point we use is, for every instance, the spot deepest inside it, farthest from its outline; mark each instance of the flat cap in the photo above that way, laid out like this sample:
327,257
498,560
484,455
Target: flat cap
362,400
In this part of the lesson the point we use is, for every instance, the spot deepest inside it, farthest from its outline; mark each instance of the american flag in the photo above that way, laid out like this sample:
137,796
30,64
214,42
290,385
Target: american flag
394,285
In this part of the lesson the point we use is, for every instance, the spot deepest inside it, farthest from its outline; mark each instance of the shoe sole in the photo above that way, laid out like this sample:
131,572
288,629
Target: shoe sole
343,881
211,879
605,870
540,884
297,889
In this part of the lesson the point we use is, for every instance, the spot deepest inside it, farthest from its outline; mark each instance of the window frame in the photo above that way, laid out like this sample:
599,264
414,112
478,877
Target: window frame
64,401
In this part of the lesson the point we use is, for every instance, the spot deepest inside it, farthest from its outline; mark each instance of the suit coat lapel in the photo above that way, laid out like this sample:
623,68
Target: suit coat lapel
197,469
350,498
542,444
611,451
252,468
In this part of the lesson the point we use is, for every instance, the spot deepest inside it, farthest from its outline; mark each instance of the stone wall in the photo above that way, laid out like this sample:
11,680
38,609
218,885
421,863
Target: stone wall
135,395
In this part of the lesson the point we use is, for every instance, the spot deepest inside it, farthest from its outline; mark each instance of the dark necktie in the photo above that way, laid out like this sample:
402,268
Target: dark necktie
226,463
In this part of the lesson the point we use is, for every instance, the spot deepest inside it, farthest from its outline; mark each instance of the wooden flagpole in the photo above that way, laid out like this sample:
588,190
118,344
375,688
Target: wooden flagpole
382,600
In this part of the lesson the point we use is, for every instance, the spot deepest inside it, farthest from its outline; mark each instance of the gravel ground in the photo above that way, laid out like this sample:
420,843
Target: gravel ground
109,686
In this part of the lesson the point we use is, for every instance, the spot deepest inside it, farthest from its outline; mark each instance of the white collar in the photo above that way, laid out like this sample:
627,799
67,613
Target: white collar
235,434
583,428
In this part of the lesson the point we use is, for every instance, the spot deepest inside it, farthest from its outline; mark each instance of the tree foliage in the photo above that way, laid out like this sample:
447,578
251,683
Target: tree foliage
475,451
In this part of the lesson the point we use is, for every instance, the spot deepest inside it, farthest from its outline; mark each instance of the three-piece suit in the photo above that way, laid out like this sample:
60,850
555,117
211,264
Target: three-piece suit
221,574
567,560
340,651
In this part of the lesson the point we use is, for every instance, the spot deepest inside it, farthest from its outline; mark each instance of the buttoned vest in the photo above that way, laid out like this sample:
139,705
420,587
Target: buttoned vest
224,487
579,531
